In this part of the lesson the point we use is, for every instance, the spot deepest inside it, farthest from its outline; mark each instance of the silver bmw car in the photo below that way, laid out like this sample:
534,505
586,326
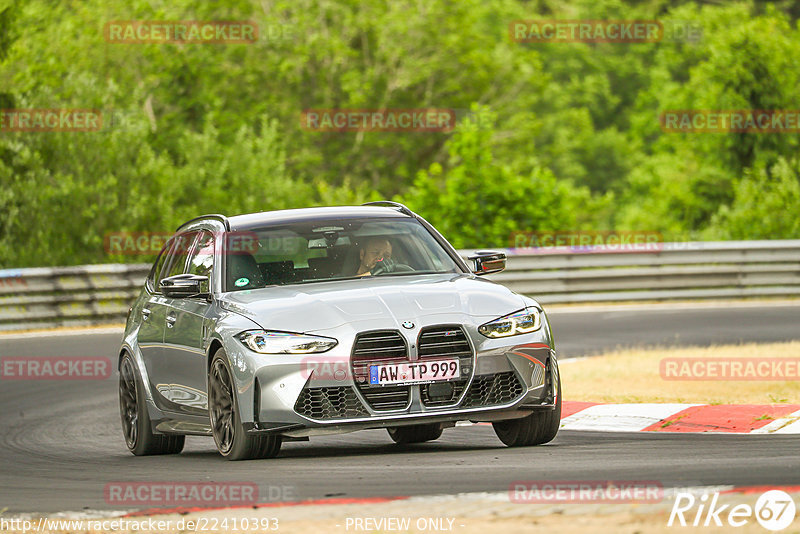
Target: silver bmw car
274,326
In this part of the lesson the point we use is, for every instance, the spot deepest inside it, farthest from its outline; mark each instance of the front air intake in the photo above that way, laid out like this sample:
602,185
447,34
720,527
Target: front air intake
490,390
329,403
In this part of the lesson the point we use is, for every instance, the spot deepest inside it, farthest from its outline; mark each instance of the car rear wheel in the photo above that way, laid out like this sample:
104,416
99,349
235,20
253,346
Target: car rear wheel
233,442
136,426
415,433
537,428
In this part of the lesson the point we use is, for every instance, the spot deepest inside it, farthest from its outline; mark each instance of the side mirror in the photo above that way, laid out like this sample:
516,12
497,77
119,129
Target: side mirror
184,285
488,262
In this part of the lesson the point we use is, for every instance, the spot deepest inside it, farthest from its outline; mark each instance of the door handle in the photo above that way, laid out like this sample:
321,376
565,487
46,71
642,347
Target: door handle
145,314
171,318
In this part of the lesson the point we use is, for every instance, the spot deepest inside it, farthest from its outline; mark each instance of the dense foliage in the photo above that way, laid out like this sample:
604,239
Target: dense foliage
555,136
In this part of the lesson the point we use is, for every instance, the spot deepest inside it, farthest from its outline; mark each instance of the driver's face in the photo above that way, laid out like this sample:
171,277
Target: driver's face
374,251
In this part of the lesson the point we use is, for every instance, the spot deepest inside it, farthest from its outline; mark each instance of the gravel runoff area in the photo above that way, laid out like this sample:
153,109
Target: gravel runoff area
706,509
707,375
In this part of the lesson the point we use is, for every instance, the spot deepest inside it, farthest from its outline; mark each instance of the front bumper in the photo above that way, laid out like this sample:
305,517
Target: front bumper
505,383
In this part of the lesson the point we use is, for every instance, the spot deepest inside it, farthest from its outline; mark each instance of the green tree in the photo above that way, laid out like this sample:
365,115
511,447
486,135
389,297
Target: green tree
478,202
765,206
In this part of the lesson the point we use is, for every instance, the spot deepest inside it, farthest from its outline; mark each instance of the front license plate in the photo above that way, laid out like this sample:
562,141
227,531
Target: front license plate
414,373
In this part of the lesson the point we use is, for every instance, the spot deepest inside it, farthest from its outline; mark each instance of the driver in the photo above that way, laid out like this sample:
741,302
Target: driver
375,250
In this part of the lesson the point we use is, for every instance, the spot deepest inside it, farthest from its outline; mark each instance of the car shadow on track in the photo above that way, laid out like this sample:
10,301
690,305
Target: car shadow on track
351,445
328,451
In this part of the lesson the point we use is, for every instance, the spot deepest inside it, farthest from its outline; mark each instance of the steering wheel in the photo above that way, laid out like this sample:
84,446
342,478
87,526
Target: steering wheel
388,265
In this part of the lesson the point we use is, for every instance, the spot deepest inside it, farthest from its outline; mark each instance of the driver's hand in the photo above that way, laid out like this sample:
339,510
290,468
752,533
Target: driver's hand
386,265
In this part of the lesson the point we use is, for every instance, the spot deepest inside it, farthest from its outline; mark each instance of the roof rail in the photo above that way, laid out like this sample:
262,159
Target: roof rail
390,204
217,216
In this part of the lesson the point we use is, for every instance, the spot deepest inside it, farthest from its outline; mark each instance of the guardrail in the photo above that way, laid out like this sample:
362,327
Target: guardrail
665,271
68,296
93,294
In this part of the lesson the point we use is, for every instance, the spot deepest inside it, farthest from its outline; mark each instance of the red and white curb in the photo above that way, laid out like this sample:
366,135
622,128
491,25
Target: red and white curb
652,417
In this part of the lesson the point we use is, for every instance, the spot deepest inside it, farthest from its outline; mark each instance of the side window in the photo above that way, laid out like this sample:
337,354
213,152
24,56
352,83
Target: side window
201,260
182,244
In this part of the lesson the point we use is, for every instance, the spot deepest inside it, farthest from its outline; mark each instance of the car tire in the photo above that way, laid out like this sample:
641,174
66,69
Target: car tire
415,433
232,441
535,429
136,425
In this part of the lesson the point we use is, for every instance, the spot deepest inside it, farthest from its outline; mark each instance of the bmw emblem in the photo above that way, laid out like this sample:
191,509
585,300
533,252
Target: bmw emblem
408,324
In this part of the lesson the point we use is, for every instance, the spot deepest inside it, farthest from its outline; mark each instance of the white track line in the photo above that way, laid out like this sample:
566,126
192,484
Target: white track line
788,424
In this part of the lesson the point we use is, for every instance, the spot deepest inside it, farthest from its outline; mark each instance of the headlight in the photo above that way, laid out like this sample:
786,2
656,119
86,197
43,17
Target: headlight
521,322
266,342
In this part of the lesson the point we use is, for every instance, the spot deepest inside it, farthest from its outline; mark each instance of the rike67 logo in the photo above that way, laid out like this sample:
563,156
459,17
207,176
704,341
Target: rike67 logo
774,510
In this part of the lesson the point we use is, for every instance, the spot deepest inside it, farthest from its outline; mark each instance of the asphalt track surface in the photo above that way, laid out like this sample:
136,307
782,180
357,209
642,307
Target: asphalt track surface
61,443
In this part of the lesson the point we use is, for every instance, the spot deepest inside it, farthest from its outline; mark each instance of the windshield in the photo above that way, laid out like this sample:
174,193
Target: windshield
335,249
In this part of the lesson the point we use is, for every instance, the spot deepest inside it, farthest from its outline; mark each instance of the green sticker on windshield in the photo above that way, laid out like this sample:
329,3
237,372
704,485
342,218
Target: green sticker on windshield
241,282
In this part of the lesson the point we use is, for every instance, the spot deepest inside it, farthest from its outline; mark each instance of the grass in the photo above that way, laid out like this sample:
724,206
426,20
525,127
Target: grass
634,376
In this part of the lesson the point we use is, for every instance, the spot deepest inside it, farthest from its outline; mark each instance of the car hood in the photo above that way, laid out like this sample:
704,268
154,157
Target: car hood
383,302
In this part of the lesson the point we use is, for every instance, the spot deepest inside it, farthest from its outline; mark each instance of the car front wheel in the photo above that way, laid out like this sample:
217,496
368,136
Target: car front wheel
535,429
233,442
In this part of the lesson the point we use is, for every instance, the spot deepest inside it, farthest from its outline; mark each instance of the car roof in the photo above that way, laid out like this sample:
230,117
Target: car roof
267,218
